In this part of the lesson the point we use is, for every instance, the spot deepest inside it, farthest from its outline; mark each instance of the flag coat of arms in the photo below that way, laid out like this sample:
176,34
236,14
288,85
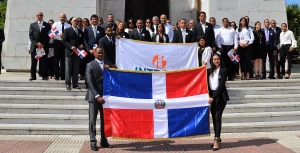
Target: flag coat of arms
81,52
53,32
156,104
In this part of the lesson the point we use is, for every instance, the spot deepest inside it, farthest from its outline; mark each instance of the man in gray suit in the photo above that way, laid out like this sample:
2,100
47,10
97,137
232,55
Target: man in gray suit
94,79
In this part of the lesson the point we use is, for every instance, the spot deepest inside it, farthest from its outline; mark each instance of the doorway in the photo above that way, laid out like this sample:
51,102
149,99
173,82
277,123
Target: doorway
143,9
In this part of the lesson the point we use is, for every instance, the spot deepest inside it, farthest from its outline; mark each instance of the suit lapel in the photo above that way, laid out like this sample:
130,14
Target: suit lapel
97,66
37,26
201,29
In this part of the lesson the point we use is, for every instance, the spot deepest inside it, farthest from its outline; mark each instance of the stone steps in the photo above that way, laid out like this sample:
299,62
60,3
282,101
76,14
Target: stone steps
41,91
36,83
80,129
264,98
263,83
263,90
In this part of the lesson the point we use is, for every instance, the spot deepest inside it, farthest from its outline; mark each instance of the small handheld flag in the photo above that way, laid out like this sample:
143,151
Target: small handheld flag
53,32
81,53
234,57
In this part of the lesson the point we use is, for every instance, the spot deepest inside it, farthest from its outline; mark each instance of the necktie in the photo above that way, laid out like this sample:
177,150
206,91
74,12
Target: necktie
183,36
40,25
76,30
94,31
110,40
62,27
140,30
267,35
101,65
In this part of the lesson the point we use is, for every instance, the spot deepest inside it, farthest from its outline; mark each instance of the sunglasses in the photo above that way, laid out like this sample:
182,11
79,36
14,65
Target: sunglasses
148,22
130,23
39,15
75,21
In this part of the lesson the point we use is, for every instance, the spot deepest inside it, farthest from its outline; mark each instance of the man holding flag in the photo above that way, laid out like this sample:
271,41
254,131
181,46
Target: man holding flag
59,47
73,41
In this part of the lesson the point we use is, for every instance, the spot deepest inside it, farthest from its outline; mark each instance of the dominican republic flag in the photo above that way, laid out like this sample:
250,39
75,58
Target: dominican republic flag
156,104
81,53
234,57
95,46
53,32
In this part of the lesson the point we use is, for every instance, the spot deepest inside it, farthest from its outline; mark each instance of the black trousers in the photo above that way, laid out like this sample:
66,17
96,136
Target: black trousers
269,53
217,108
59,59
284,52
43,64
245,59
0,58
94,107
87,60
227,60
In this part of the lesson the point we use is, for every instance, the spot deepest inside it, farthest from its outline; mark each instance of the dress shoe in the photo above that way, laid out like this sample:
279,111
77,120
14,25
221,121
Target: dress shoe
32,78
76,87
105,145
94,146
271,77
280,77
68,87
45,78
230,79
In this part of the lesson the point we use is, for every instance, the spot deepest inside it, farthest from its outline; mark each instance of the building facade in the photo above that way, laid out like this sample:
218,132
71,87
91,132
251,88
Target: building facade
20,13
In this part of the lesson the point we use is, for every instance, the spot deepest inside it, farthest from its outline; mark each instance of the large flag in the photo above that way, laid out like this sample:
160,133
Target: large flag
145,56
152,105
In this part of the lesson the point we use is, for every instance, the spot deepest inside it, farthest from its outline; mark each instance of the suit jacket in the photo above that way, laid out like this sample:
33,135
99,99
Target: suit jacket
209,33
189,37
136,36
114,26
94,80
221,90
70,38
109,49
124,35
272,39
89,38
277,31
35,35
155,38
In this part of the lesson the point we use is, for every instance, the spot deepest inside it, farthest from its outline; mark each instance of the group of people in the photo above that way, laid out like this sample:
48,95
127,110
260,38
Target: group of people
97,38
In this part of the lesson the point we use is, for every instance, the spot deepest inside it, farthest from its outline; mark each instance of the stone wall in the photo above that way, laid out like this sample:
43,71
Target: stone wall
257,10
19,15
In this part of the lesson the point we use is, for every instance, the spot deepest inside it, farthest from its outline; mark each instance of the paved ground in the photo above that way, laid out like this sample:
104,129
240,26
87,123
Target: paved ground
264,142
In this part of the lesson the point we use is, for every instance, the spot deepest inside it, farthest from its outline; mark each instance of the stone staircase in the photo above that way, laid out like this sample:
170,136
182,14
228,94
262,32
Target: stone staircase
46,107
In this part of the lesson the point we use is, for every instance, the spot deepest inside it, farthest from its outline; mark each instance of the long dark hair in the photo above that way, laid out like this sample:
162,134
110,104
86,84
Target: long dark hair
240,25
213,66
163,26
128,21
202,37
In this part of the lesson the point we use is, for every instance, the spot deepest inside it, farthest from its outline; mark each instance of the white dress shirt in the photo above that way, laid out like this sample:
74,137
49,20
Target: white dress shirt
245,36
203,27
58,26
40,24
216,30
288,38
206,55
227,36
214,79
169,32
183,33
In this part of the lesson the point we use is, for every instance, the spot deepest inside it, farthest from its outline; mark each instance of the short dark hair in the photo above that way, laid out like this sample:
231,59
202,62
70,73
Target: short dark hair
182,19
202,13
51,20
94,16
202,37
212,18
284,24
266,20
107,27
225,19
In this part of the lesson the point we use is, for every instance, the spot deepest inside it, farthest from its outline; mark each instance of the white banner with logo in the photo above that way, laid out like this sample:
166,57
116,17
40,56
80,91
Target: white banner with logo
147,56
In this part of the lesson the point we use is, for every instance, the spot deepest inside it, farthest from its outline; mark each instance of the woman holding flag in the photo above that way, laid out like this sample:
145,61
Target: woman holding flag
218,95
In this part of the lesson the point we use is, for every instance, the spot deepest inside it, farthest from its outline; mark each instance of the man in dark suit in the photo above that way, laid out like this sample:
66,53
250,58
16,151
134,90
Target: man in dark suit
140,33
92,35
107,43
110,22
204,29
270,49
38,35
94,77
72,39
2,38
183,32
277,32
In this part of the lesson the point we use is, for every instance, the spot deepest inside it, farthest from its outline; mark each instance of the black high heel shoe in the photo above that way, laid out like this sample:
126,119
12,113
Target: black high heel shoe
219,141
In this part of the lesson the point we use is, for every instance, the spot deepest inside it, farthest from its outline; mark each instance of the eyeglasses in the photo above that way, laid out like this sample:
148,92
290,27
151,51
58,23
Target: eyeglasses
39,15
75,21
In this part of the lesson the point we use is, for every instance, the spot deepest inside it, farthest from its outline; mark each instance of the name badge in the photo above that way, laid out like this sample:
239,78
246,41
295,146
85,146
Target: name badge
97,31
271,34
186,34
79,35
206,26
143,34
123,36
43,26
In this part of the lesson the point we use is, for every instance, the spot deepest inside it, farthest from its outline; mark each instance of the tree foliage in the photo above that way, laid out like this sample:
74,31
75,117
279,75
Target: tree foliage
293,16
2,14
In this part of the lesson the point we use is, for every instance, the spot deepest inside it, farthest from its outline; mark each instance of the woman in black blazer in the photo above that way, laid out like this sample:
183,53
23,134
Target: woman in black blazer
160,36
218,95
120,31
